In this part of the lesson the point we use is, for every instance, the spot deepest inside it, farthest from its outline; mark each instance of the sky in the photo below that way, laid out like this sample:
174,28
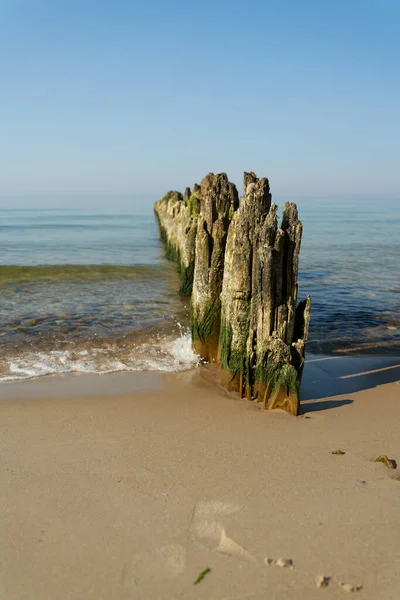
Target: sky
127,99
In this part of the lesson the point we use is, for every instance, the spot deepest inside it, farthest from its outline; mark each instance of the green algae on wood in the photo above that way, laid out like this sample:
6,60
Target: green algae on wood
277,381
193,204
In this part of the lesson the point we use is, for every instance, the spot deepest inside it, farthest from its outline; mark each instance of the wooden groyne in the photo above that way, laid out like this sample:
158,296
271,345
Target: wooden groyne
240,267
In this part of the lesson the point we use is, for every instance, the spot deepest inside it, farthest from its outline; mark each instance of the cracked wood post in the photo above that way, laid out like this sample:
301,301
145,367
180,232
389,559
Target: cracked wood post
218,202
263,335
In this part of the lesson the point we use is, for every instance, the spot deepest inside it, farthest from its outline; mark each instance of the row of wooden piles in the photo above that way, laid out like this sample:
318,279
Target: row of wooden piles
240,268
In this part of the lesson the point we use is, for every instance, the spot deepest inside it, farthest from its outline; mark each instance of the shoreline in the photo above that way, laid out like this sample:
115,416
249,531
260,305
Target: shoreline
324,375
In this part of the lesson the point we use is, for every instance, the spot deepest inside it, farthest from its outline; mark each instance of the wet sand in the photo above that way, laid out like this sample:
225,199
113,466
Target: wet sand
131,485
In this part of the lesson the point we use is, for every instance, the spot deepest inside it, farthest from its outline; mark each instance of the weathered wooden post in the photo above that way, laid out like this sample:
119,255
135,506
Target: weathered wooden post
259,294
218,202
241,290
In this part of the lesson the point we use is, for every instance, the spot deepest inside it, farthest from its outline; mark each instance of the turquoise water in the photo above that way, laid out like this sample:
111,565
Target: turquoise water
98,295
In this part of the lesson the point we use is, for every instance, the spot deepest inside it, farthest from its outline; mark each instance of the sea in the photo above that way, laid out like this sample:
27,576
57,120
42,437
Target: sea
91,290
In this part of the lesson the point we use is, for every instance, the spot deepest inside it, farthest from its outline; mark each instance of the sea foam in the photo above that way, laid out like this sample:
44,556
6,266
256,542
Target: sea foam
168,355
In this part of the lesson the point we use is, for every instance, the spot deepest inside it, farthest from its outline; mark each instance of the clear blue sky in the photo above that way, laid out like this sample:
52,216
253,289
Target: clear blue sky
103,97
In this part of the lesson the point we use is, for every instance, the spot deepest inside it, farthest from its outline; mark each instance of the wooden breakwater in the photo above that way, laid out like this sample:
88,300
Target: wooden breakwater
240,267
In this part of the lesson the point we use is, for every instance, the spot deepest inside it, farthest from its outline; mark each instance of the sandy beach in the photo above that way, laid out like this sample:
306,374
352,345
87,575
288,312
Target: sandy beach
139,483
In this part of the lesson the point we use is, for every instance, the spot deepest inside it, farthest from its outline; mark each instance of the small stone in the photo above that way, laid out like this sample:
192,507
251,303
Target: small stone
348,587
386,461
338,452
283,563
322,581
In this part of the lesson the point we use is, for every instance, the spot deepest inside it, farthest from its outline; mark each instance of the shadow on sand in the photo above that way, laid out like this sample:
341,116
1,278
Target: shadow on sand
315,405
327,376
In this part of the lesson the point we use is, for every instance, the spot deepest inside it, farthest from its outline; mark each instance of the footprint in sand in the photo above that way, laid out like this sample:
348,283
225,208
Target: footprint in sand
165,562
206,530
168,562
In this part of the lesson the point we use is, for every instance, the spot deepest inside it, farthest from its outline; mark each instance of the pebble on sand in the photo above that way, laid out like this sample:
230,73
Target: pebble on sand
338,452
284,563
386,461
322,581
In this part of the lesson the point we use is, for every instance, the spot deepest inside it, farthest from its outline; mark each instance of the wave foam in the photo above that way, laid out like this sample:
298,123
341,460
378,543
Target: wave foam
168,355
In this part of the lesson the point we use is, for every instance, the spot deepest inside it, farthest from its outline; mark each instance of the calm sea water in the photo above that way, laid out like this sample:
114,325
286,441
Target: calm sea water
97,295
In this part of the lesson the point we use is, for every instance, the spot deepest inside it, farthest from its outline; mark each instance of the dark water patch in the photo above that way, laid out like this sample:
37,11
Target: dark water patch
21,274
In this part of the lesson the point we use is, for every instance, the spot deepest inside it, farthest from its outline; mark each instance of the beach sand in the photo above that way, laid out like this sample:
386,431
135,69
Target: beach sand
131,485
